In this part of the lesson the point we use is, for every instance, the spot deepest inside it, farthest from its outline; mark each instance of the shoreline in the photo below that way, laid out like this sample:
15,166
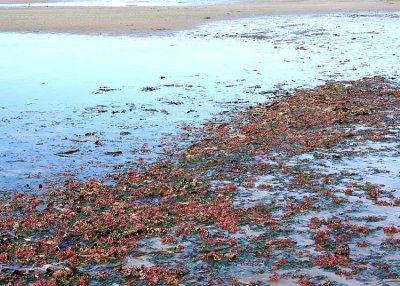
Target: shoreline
145,20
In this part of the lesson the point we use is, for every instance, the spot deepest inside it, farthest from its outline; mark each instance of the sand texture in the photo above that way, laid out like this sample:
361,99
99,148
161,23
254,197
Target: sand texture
142,20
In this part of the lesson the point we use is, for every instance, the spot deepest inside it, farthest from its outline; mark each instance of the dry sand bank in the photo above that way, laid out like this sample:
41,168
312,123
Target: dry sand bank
139,20
21,1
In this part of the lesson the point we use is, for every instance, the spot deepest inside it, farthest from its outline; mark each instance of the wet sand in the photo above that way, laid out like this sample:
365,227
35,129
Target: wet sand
143,20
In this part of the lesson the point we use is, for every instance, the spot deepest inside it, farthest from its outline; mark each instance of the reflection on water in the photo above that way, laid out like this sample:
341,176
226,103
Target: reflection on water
89,103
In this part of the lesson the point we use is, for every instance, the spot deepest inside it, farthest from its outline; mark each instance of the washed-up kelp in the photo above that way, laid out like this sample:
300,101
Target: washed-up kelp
268,195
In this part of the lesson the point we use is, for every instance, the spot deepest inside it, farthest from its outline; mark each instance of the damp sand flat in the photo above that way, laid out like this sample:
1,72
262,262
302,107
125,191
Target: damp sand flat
156,19
108,3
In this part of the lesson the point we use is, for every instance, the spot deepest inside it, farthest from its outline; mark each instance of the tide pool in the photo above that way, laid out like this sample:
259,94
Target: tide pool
93,105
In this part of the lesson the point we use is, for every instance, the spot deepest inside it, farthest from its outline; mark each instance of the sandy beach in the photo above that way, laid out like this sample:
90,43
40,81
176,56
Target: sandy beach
144,20
249,143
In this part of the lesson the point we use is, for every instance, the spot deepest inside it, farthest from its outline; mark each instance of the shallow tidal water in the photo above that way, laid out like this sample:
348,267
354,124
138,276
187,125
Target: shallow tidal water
90,104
